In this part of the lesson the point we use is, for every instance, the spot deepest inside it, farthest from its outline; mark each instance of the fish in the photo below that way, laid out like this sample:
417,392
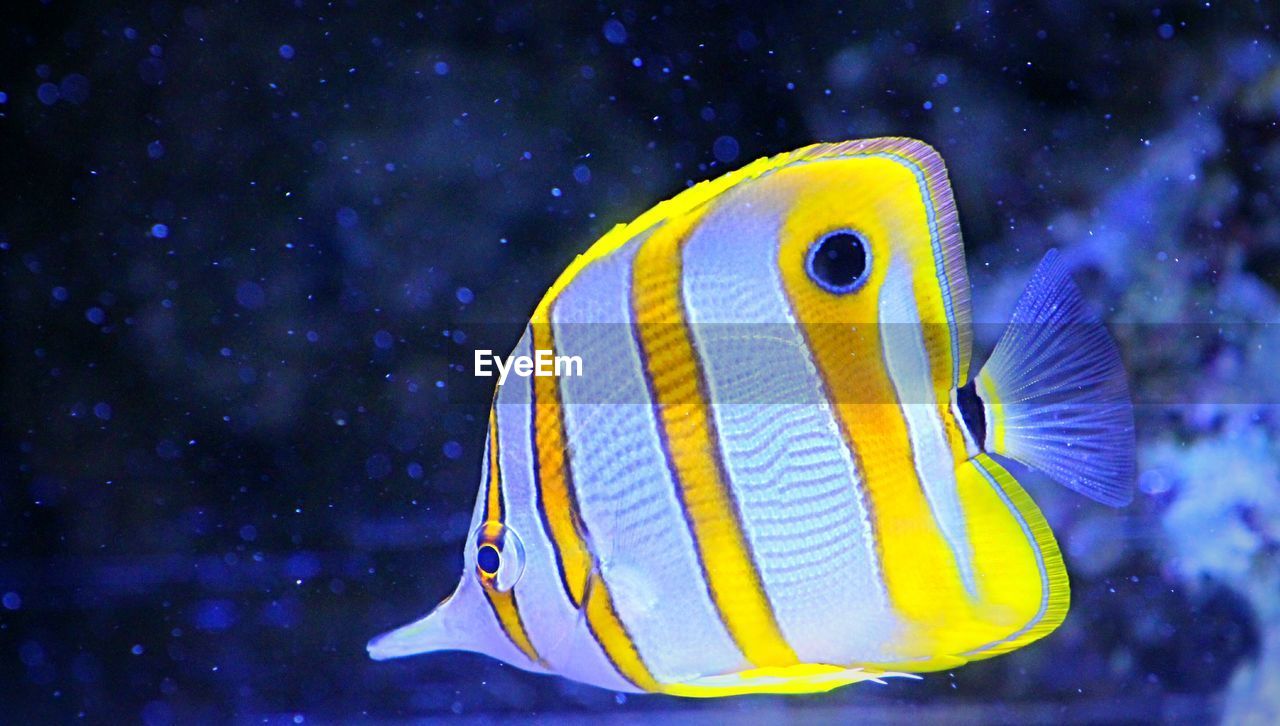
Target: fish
776,474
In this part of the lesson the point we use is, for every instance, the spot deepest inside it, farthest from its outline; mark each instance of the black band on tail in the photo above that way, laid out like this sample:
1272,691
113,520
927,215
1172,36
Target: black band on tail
972,413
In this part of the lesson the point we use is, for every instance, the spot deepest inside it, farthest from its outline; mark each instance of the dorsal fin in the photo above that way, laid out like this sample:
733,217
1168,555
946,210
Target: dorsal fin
918,156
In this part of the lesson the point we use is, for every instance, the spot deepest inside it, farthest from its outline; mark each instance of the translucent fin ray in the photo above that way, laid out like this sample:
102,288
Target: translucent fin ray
1055,391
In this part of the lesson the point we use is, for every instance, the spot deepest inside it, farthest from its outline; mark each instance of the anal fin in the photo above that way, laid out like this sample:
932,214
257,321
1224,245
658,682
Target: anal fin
795,679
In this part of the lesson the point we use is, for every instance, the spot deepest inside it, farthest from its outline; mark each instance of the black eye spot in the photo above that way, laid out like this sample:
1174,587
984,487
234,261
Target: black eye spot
487,559
839,262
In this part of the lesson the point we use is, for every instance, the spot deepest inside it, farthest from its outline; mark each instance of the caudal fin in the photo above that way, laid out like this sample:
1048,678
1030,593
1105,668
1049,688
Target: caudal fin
1055,392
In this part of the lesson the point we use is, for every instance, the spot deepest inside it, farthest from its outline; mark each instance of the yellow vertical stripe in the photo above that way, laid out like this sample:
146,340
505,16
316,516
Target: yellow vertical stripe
508,613
559,509
555,496
843,332
689,437
493,495
613,637
503,604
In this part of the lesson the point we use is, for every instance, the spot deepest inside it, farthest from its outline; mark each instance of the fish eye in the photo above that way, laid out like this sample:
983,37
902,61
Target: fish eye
488,559
499,556
839,261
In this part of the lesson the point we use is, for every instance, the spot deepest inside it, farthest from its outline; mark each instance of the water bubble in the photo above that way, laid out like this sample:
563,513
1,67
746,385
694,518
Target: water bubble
464,295
4,97
615,32
1165,31
452,450
441,68
60,293
102,410
250,295
31,653
383,339
248,533
286,51
74,88
1153,481
95,315
215,614
159,231
940,79
377,466
47,93
12,601
414,470
155,149
581,174
347,217
725,149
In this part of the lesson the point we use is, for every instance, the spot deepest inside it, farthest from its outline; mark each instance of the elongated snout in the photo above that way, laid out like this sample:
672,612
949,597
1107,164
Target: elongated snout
463,621
440,629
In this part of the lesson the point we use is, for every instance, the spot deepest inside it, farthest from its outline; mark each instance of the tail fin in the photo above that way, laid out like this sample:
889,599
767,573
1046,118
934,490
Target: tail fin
1055,393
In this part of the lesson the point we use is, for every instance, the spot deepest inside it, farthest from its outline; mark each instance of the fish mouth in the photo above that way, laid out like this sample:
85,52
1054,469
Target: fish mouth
391,644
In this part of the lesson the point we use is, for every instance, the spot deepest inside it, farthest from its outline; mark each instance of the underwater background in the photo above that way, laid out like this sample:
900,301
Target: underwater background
242,244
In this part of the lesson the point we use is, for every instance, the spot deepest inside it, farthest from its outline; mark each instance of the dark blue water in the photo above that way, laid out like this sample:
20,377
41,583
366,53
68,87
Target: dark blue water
242,245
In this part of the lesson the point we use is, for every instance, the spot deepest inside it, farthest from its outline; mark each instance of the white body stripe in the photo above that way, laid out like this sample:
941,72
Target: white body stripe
794,478
940,265
625,487
549,617
907,361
